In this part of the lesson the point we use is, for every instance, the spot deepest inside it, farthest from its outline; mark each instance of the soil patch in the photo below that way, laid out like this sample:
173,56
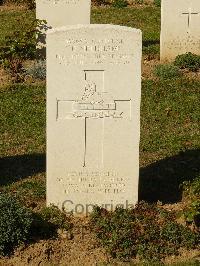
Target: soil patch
4,77
10,7
79,247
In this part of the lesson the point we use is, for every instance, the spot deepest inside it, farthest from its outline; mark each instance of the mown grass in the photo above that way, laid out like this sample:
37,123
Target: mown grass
169,135
147,19
170,116
23,139
13,20
22,119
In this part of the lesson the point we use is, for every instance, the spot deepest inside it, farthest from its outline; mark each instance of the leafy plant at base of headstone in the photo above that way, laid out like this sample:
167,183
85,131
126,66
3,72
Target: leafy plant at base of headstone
157,3
37,70
114,231
48,221
177,236
167,71
188,61
15,223
192,193
147,231
120,3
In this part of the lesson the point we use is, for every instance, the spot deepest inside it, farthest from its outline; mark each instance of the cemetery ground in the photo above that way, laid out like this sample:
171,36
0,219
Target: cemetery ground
169,156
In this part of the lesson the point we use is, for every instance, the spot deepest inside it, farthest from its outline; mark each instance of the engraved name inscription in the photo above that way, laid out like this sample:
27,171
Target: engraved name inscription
94,51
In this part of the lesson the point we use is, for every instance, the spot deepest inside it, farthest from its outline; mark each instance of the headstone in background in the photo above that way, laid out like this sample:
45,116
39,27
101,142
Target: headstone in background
180,28
58,13
93,116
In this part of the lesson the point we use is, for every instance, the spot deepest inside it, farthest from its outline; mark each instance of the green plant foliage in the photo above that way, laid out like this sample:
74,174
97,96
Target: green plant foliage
34,189
37,70
56,217
19,45
189,61
177,235
147,231
151,51
15,223
48,221
167,71
192,211
157,3
120,3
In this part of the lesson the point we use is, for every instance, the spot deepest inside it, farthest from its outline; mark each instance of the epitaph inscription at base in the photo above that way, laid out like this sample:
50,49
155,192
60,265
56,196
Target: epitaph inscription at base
93,116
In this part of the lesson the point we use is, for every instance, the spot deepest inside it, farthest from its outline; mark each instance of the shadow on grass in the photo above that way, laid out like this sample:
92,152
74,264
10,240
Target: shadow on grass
17,167
147,43
161,180
158,181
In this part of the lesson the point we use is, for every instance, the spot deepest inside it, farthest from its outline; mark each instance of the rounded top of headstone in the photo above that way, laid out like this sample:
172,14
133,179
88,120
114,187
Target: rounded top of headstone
94,26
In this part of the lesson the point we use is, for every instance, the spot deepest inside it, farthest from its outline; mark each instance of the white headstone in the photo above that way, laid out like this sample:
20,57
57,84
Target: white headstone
60,13
180,28
93,116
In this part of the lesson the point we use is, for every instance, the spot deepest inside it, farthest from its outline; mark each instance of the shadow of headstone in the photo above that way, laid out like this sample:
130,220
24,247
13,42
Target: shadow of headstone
42,29
14,168
162,180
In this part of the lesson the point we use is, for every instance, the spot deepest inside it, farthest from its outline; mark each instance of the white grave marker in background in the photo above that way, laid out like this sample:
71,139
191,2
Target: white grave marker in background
93,116
180,28
60,13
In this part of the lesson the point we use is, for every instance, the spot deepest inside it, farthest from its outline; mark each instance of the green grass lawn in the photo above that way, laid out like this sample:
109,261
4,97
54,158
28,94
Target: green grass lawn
169,134
147,19
12,20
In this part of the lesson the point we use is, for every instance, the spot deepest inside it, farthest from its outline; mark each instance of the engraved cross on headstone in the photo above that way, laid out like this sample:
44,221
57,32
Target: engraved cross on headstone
189,17
94,104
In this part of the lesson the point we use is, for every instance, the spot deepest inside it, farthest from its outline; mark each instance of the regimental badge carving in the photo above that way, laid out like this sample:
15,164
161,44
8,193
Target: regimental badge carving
94,103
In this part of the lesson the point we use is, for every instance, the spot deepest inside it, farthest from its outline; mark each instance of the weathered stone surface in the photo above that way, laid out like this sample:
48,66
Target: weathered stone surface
180,28
60,13
93,116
